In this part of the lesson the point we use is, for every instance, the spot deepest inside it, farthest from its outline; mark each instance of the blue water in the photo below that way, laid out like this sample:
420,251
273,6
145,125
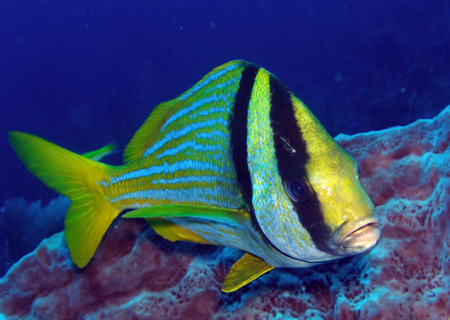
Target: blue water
81,73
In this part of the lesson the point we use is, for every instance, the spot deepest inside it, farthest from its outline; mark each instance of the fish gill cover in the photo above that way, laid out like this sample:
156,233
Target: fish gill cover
82,73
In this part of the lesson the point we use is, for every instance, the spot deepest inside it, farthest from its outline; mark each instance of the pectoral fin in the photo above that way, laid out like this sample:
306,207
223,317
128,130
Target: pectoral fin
208,213
244,271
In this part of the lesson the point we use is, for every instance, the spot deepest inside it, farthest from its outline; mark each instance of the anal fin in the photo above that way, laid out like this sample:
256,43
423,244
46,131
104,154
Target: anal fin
244,271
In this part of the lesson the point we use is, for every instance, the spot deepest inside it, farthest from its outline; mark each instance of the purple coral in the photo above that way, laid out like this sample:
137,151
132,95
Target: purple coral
137,275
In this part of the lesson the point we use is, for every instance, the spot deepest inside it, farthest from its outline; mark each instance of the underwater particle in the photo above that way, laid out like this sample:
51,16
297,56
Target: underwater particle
20,40
337,77
80,115
212,25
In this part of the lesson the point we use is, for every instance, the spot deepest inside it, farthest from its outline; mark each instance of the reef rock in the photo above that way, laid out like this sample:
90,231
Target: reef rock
137,275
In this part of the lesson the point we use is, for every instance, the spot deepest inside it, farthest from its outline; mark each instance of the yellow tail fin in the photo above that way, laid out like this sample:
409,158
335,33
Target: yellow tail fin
77,177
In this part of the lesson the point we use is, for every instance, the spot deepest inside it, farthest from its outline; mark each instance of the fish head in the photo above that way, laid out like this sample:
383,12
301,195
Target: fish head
307,198
346,210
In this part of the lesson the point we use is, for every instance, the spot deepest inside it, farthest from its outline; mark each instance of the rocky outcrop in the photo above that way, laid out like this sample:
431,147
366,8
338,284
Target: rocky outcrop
137,275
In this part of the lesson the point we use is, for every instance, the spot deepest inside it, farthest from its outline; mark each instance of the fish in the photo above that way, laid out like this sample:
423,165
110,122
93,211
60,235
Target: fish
237,160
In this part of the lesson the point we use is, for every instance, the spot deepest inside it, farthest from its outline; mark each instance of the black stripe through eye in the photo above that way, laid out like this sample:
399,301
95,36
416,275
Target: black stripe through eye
288,137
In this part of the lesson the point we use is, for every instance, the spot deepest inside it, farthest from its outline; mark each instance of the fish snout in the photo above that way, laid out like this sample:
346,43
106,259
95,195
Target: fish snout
356,237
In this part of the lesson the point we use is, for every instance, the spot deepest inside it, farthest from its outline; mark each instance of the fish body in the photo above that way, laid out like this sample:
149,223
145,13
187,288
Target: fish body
237,160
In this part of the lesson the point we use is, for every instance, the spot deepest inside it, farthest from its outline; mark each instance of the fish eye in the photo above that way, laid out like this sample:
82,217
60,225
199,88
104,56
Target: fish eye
298,190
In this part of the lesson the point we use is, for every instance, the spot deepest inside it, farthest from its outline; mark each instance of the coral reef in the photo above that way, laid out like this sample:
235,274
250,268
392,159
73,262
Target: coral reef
137,275
35,223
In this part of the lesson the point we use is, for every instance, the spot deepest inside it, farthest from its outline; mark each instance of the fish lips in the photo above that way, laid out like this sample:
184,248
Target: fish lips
356,237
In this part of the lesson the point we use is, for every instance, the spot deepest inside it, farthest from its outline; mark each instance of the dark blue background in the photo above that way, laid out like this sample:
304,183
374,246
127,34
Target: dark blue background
81,73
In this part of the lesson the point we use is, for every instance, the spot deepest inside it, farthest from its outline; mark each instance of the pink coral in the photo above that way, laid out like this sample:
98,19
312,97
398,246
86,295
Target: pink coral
137,275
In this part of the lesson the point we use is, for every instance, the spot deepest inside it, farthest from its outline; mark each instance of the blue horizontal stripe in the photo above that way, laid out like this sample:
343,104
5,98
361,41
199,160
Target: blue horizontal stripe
190,179
192,107
216,196
166,168
190,144
173,135
206,81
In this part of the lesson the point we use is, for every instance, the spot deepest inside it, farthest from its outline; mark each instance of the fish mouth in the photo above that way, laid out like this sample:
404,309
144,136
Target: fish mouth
356,237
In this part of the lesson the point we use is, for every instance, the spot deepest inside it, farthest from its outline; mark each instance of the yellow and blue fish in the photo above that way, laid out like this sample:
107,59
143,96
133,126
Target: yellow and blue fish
237,161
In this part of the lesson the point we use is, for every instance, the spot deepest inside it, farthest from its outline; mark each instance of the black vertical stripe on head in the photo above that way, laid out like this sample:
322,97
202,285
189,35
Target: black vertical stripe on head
238,130
292,157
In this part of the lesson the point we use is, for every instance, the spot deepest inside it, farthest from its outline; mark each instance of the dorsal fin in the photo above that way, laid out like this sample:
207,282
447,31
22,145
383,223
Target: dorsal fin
143,138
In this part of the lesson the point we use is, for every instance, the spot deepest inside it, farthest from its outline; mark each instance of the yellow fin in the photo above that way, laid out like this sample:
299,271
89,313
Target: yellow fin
209,213
90,213
244,271
144,136
104,151
173,232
